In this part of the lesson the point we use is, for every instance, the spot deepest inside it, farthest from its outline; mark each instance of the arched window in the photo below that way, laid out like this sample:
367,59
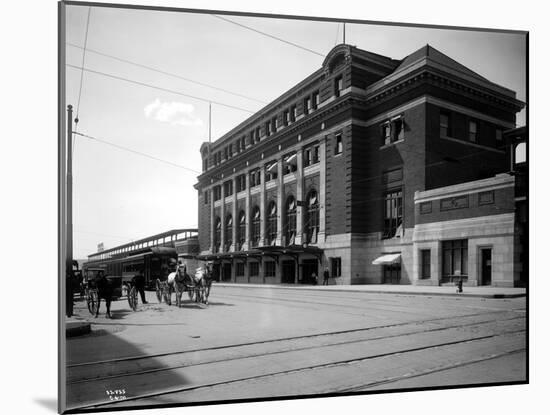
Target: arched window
290,221
271,223
241,230
255,226
312,217
217,234
228,240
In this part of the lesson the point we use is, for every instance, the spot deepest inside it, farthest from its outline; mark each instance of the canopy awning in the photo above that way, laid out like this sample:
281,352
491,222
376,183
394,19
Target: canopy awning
387,259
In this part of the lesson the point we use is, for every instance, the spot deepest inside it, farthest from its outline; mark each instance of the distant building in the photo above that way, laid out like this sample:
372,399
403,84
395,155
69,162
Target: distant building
334,173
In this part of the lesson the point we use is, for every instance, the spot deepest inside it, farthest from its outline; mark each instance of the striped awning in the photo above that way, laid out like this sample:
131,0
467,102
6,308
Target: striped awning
387,259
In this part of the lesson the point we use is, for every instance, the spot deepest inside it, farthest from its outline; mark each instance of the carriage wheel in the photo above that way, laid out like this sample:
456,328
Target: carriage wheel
133,298
92,302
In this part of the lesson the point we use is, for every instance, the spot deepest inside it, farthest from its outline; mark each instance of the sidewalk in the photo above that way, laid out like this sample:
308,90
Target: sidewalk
481,292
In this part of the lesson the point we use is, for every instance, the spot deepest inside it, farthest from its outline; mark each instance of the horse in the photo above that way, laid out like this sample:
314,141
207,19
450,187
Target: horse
203,281
177,282
105,290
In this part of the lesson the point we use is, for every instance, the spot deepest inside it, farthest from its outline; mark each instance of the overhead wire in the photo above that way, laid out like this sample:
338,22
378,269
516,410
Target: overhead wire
269,35
120,78
140,65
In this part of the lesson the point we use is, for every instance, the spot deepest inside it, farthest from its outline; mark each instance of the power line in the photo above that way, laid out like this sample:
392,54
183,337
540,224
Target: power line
165,73
160,88
137,152
268,35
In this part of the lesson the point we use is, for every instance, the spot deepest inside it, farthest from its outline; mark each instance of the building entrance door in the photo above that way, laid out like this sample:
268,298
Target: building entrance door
486,266
289,272
392,274
226,272
310,268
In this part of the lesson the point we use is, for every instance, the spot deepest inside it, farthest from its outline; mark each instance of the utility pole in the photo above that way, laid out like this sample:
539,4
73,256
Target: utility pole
344,33
69,219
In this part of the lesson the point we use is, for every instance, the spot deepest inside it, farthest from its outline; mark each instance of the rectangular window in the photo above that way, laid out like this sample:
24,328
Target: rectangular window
338,86
293,113
338,145
315,100
307,105
286,117
270,268
455,259
254,269
425,261
204,164
228,188
241,183
273,125
206,197
258,134
239,270
336,267
393,130
311,155
473,131
267,127
444,125
271,171
393,213
498,135
217,192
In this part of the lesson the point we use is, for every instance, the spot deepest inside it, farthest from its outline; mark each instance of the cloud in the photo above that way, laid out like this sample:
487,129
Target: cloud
175,113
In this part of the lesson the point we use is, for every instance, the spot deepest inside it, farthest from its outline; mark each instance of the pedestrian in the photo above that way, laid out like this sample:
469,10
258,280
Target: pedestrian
314,278
326,276
139,281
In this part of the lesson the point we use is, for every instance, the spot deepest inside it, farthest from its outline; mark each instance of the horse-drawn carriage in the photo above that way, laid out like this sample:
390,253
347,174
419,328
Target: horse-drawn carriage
197,286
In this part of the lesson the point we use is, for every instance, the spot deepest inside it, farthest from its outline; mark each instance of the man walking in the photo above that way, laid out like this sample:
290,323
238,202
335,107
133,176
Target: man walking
326,276
139,281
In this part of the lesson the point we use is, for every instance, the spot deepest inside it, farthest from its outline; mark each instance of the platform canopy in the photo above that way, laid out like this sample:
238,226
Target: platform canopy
387,259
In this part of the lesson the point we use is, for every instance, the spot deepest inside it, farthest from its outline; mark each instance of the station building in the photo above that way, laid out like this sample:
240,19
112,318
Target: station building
381,170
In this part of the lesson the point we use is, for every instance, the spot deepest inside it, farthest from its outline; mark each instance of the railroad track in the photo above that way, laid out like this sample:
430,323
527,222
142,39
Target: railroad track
268,361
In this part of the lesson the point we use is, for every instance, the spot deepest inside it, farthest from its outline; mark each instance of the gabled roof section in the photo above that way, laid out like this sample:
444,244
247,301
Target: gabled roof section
430,56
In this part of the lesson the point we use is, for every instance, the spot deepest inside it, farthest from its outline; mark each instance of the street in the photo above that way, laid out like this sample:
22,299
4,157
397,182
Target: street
254,342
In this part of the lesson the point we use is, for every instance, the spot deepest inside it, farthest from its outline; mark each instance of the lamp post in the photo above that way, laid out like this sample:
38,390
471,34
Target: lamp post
69,218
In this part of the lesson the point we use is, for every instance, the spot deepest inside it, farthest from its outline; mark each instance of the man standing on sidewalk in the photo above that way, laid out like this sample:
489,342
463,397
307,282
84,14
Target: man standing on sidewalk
326,276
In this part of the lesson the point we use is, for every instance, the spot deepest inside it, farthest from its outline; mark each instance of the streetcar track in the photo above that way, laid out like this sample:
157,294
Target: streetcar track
362,387
253,355
312,367
236,345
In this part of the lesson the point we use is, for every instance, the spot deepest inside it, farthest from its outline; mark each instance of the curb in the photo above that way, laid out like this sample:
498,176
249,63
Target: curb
77,328
423,293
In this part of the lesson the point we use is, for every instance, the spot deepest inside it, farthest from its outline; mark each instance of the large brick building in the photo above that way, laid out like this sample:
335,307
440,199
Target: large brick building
336,171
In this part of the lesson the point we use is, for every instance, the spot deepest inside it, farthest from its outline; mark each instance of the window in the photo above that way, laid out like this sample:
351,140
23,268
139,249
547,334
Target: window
254,269
286,118
473,131
217,192
228,232
255,234
393,130
425,263
255,177
336,267
338,145
241,183
274,125
393,213
241,230
290,220
311,155
206,197
271,223
307,105
455,258
228,188
239,269
257,135
293,113
270,268
204,164
289,163
252,135
217,234
338,86
315,100
267,128
444,124
271,171
520,153
312,217
498,135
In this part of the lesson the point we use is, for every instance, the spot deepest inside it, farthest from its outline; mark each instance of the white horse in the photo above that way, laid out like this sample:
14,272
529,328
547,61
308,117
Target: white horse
176,282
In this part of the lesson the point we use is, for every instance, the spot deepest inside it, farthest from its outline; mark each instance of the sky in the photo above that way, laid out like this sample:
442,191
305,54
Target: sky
119,196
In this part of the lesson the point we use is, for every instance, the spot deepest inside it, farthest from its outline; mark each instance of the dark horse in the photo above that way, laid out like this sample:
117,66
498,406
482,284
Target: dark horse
105,290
